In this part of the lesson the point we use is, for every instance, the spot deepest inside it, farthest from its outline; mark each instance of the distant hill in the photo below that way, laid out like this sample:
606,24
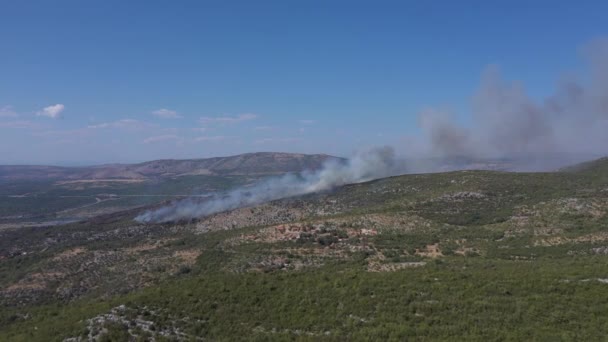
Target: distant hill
597,165
260,163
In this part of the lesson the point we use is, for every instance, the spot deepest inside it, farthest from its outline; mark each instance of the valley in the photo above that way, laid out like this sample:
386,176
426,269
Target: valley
40,195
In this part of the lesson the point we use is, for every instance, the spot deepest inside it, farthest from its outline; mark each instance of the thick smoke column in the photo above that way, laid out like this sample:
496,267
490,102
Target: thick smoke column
508,123
568,126
367,165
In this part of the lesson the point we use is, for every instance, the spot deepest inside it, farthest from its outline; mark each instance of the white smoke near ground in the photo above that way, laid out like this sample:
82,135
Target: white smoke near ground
366,165
507,124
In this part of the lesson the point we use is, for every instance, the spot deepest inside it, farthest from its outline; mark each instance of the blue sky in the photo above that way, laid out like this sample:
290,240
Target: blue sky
86,82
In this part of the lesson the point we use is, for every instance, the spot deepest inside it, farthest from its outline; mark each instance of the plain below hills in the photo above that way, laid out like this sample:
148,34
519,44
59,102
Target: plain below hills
260,163
46,193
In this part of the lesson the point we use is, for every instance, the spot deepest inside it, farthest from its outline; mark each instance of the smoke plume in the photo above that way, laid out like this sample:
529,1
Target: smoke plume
507,124
366,165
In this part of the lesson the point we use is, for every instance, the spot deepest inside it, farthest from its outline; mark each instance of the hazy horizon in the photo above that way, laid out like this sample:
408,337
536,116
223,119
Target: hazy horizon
114,82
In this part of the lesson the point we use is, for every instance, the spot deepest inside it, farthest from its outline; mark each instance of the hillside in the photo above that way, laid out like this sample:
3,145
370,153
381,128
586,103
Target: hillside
43,194
244,164
472,255
594,166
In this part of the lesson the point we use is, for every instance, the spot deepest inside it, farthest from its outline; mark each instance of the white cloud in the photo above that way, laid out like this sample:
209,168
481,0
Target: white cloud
7,112
170,130
123,123
161,138
58,133
18,124
212,138
264,128
307,122
101,125
52,111
166,114
228,119
277,140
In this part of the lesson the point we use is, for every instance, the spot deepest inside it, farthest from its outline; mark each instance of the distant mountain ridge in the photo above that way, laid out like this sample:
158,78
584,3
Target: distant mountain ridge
258,163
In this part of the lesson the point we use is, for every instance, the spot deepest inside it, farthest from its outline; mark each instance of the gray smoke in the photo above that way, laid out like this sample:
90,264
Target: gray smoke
507,122
364,166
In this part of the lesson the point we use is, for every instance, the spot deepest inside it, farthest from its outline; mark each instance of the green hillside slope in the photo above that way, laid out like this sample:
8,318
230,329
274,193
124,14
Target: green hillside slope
471,255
